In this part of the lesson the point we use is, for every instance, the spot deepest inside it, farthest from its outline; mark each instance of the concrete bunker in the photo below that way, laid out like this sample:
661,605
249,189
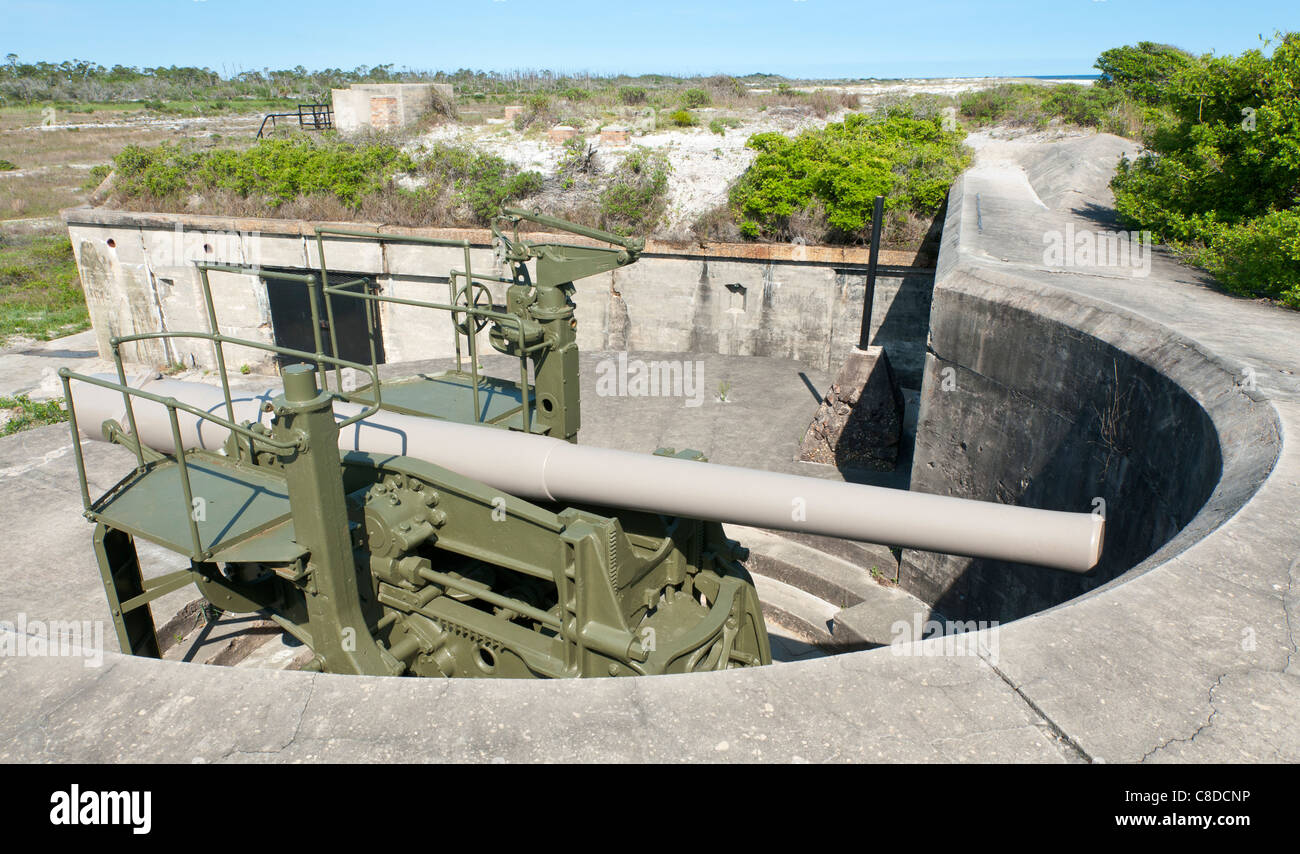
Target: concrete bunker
1067,430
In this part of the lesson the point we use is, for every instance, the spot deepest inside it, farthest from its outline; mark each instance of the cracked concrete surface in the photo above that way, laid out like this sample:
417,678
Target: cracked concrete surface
1192,658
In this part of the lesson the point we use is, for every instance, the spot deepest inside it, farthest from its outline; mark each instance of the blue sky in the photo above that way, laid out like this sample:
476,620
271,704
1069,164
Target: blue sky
808,38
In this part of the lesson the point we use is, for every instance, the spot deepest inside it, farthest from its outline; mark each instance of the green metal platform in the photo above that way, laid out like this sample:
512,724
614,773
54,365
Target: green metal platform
242,513
450,396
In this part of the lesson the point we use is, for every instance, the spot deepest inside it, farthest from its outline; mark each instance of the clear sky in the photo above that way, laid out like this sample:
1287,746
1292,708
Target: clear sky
801,38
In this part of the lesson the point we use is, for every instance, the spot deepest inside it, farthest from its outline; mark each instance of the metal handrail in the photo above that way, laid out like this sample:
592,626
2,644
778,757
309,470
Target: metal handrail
321,118
455,310
260,345
173,406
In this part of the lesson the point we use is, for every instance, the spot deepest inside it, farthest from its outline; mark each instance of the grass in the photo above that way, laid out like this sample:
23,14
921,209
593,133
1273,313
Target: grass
25,413
1038,106
40,293
57,163
41,194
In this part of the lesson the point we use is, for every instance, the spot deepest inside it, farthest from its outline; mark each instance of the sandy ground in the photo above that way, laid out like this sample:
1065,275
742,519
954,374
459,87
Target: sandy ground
704,164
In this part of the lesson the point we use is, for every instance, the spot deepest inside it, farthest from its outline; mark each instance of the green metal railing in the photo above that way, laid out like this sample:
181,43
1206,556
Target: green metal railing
317,284
174,406
469,329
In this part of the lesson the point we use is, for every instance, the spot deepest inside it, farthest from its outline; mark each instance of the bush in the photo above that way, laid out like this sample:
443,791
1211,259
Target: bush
632,95
276,171
1259,257
842,168
537,111
7,165
480,182
1036,105
1142,72
96,176
273,170
695,98
637,194
719,126
1219,181
682,118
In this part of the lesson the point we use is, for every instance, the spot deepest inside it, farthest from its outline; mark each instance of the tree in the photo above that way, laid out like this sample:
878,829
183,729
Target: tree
1142,72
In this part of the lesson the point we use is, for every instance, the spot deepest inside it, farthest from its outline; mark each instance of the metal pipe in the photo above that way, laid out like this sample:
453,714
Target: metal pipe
542,468
218,347
869,295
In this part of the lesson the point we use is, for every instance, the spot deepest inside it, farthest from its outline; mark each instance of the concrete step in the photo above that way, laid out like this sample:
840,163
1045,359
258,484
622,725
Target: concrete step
862,555
874,621
825,575
796,611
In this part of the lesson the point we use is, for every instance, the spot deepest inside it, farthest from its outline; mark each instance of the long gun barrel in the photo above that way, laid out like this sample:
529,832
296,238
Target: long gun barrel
548,469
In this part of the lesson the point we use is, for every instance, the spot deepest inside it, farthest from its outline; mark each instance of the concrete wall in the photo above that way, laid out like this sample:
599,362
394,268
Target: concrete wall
383,106
787,301
1038,396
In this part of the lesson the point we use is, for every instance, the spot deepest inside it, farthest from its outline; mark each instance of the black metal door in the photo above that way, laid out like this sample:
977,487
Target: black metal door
291,317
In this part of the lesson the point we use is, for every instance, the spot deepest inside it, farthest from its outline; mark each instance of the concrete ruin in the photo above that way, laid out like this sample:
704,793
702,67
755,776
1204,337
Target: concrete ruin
384,107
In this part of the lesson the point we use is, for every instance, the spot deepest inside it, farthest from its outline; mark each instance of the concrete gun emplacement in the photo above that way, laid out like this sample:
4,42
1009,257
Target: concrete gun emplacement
426,546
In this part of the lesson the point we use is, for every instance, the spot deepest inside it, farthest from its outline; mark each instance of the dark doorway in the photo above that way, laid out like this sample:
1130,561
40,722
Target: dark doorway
292,319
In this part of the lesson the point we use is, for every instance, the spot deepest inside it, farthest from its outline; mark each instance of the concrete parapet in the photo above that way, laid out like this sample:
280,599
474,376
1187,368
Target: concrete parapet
801,302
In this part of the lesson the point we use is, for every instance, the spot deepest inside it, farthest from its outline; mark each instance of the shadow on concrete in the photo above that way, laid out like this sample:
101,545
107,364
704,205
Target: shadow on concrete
1133,439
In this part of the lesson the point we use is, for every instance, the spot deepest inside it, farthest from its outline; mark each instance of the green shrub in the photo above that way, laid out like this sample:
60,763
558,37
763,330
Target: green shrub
1036,105
695,98
30,413
1219,180
720,125
7,166
273,170
277,171
1142,72
481,182
632,95
682,118
537,111
96,176
842,168
635,199
1260,256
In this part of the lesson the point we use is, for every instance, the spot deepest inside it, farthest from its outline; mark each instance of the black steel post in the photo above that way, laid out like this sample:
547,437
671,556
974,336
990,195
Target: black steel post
877,215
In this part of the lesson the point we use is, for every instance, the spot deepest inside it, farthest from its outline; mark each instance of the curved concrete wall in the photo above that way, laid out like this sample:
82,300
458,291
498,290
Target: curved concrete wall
1040,396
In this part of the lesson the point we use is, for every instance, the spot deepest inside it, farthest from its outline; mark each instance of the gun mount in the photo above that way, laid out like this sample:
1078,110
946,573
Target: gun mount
392,539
